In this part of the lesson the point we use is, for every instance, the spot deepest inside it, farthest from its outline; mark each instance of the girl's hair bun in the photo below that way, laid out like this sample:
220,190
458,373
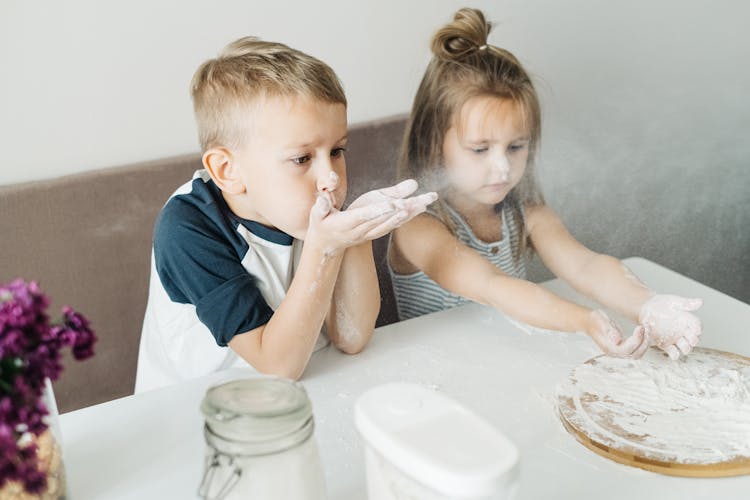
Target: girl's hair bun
465,34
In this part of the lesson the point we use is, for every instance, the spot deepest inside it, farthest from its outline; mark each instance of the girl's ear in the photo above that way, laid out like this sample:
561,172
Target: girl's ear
220,165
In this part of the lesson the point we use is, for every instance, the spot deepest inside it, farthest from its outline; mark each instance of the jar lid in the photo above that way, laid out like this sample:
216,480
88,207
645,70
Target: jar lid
256,409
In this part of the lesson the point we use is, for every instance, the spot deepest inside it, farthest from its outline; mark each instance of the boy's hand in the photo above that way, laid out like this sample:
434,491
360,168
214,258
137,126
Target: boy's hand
608,337
674,328
370,216
395,196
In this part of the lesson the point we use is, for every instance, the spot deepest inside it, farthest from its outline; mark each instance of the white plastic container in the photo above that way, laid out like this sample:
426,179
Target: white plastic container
422,445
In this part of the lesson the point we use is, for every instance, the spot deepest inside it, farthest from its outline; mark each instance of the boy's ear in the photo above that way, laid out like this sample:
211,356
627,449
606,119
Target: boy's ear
220,165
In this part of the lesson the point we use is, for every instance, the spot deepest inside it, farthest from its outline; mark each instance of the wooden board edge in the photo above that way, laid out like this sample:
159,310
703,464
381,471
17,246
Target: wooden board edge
716,470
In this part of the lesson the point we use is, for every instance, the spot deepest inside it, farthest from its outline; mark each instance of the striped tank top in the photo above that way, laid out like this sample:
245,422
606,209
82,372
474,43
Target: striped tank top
417,294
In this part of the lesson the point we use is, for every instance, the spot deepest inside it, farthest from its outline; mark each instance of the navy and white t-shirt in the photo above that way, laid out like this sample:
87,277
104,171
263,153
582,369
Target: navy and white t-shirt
213,275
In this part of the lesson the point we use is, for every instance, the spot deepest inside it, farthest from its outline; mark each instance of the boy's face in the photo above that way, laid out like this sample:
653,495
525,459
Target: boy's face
293,152
485,152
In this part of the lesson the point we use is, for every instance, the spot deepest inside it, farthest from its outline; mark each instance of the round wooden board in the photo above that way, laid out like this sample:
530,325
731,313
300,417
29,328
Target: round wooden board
627,448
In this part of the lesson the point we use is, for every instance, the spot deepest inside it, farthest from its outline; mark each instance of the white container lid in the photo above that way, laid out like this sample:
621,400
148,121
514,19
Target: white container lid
436,441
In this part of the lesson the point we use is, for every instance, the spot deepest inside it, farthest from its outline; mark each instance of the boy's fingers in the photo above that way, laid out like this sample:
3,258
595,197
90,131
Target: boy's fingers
378,219
356,216
412,206
356,224
400,190
399,218
421,201
387,226
374,206
322,207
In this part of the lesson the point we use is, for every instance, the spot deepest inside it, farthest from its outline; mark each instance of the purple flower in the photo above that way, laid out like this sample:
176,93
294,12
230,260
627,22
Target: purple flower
30,351
84,337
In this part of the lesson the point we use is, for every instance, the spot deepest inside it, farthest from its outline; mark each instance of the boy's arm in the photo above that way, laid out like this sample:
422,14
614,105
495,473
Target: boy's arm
356,296
428,244
356,300
283,345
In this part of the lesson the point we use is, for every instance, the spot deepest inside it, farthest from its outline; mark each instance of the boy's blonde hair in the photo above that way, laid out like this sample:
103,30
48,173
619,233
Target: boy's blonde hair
464,66
225,88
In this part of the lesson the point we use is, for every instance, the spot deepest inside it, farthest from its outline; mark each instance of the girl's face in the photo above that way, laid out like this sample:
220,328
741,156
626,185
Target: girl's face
485,152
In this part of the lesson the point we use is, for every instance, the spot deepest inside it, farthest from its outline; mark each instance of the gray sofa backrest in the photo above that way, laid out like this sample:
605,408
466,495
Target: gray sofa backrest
87,240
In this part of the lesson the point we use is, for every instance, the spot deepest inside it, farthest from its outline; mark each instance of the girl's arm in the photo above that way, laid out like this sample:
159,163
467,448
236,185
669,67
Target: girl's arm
598,276
609,282
427,244
356,300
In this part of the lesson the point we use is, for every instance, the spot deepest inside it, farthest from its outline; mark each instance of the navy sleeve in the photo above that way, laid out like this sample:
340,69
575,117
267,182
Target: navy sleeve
198,260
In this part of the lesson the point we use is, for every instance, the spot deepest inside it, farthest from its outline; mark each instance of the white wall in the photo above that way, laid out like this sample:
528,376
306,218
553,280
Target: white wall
90,83
86,84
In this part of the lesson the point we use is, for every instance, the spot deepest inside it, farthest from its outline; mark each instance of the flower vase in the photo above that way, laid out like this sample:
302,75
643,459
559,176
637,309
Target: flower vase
52,455
49,456
31,461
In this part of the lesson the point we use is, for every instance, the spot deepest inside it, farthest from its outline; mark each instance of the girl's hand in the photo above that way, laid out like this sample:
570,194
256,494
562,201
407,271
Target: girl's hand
608,337
370,216
673,327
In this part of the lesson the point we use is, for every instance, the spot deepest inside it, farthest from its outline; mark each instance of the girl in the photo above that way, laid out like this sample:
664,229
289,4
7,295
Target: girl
472,135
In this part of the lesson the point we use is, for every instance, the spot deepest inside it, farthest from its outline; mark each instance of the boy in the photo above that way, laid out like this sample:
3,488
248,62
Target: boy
231,281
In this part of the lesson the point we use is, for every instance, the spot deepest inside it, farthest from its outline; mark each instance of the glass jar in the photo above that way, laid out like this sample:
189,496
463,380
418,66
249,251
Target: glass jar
259,442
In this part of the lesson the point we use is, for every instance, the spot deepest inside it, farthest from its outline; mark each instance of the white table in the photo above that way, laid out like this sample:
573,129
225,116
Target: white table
150,446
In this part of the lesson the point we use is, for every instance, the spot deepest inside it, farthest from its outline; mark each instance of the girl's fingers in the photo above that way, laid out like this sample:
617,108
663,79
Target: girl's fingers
691,304
673,352
638,354
684,346
696,328
631,344
645,343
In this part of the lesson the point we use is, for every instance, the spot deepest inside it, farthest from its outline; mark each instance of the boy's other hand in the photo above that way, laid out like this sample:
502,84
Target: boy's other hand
395,198
372,215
